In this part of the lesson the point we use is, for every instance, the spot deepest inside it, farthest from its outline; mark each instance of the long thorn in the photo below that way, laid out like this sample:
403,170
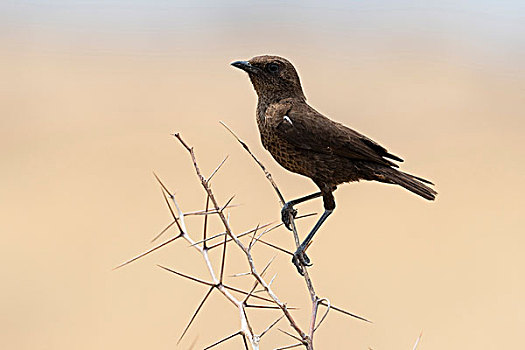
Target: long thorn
325,314
172,212
162,185
270,326
211,284
255,306
276,247
162,232
213,211
229,240
222,340
196,312
169,206
304,216
216,169
256,283
246,293
289,346
260,235
187,276
268,175
251,231
253,236
344,312
246,233
238,236
267,265
147,252
228,202
290,334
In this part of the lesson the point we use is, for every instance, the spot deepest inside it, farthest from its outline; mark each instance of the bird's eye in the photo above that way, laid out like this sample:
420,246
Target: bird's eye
272,67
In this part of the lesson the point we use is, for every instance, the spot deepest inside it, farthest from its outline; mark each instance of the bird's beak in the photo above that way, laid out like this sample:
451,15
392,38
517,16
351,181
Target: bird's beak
245,66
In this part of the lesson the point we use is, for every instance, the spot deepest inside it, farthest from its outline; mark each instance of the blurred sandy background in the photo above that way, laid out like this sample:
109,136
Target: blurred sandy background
90,92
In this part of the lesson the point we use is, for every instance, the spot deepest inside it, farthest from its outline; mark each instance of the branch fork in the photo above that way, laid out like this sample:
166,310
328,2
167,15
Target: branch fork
270,300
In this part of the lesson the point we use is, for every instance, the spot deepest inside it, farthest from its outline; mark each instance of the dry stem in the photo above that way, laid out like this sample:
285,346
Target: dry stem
212,207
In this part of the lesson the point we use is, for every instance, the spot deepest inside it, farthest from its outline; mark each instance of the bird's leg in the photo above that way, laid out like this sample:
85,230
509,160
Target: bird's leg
288,212
300,259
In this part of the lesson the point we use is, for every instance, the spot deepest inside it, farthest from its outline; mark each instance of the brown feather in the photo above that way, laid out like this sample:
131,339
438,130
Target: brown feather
306,142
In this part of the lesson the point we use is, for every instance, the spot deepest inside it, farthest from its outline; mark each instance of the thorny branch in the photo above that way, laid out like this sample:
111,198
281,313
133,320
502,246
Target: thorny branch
316,301
212,207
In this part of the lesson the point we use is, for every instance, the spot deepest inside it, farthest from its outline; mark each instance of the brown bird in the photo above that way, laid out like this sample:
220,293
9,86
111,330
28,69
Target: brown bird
306,142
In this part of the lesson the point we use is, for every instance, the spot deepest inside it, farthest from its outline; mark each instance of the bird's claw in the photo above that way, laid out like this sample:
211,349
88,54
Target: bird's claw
287,214
301,260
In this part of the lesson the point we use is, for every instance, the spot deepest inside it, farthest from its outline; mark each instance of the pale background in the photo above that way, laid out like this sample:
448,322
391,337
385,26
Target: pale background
90,92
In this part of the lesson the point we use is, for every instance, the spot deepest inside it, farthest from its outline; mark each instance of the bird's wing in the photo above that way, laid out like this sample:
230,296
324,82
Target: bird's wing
305,128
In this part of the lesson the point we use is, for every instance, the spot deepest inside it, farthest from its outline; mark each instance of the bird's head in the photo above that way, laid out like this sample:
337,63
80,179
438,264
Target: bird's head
273,77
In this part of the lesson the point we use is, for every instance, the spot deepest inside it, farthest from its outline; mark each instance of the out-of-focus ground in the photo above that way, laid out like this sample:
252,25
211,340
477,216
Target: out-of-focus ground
90,93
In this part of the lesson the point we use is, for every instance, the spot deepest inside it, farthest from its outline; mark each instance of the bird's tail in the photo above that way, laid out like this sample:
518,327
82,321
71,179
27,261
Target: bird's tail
412,183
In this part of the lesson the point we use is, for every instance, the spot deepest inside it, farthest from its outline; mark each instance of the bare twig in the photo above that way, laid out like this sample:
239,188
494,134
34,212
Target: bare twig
217,280
307,340
256,275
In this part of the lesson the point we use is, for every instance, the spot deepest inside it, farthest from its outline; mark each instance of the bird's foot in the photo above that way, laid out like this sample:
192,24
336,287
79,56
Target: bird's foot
287,214
301,260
